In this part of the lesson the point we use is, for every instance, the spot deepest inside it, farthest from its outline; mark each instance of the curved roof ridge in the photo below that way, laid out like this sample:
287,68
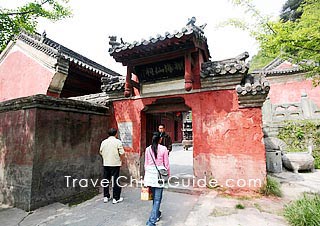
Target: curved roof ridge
56,50
190,28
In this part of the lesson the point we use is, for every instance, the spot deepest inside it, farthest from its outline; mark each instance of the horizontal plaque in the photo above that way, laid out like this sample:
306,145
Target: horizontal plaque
160,70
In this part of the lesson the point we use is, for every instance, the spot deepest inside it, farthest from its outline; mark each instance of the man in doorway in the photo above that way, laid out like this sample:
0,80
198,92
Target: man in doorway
165,138
111,150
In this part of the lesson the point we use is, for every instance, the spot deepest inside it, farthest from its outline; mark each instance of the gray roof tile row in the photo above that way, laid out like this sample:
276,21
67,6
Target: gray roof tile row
274,68
253,85
117,47
230,66
56,50
111,84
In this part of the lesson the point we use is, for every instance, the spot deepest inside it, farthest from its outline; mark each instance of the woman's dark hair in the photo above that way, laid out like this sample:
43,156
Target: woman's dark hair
155,142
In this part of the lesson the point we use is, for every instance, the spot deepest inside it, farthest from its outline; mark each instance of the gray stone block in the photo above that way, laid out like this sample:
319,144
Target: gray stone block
274,161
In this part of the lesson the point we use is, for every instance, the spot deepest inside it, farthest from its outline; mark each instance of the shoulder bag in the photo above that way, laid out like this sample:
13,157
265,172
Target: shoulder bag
163,173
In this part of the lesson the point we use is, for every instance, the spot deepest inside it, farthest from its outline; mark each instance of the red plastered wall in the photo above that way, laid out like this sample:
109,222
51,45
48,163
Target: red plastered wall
21,76
227,140
288,92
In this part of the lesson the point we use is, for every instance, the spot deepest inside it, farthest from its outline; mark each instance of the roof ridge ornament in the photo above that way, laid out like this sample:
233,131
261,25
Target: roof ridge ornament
43,36
113,42
191,25
191,21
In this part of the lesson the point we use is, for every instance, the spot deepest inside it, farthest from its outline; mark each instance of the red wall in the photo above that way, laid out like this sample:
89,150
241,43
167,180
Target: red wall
227,140
17,148
288,92
21,76
17,131
40,146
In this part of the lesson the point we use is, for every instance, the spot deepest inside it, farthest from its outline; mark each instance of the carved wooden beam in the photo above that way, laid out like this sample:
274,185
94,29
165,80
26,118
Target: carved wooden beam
158,57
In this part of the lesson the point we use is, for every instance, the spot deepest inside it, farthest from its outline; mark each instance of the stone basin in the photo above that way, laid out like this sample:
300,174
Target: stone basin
298,160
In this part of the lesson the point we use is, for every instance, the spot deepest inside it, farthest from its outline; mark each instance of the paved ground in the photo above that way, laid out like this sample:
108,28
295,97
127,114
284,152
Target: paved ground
181,162
131,212
179,209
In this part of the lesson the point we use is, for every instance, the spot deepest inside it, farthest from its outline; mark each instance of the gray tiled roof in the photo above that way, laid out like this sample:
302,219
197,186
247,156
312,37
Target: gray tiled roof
56,50
178,34
230,66
41,101
252,91
253,85
114,84
148,45
96,98
273,68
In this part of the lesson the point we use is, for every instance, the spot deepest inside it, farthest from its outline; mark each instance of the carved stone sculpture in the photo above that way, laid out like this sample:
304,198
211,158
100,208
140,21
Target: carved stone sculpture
273,143
299,160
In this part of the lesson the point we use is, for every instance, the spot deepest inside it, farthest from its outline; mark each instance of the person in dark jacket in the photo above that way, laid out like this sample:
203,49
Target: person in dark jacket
165,138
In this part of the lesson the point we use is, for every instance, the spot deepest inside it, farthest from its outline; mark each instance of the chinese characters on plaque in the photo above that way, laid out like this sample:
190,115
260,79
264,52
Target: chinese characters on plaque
160,70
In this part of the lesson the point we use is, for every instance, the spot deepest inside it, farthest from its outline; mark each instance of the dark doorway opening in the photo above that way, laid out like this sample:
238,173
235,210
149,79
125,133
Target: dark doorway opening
177,118
172,121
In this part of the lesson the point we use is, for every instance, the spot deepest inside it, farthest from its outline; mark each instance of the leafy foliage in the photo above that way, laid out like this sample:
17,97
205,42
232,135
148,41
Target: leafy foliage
298,39
297,135
240,206
25,17
271,187
260,60
290,10
304,211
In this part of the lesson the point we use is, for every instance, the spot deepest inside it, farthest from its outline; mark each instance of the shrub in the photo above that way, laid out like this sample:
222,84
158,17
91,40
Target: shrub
297,135
240,206
271,187
304,212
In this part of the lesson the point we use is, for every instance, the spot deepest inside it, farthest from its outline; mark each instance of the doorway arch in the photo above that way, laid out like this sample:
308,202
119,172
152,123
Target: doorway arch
168,111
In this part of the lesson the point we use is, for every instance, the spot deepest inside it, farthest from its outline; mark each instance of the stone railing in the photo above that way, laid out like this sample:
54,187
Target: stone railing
273,115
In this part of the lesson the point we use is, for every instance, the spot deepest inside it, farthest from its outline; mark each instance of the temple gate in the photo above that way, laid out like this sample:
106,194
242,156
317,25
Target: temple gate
172,73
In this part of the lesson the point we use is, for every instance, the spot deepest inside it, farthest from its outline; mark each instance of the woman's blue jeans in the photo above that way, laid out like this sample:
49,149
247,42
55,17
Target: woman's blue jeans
155,213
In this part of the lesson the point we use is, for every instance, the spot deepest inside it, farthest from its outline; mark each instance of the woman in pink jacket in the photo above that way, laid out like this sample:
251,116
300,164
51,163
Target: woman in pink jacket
158,154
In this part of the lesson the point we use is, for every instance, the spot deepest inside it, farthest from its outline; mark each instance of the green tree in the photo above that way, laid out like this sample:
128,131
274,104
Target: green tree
290,10
298,39
26,16
260,60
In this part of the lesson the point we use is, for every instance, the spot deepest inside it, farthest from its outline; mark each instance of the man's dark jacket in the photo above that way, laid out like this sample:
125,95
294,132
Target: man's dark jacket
166,141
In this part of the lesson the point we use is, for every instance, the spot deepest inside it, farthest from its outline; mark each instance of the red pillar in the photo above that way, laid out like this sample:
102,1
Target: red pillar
188,72
196,69
127,86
